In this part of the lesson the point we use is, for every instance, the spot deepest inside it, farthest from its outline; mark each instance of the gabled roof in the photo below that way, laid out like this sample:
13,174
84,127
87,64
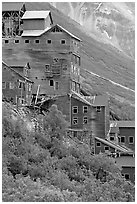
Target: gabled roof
115,146
73,36
25,78
79,97
35,15
100,100
124,123
12,6
32,33
125,161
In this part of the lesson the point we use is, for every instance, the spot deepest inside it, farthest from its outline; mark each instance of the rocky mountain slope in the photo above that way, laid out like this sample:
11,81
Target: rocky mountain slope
110,22
97,58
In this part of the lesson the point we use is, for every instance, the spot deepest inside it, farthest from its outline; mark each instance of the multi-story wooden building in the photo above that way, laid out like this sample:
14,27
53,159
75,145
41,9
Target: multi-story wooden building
16,88
53,54
123,132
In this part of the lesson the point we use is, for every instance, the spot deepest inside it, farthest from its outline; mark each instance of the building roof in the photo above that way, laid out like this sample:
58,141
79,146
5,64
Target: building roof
125,161
12,6
25,78
100,100
34,33
111,144
35,15
122,123
73,36
79,97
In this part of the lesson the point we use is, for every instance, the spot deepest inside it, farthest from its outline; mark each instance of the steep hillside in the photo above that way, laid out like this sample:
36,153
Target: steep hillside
109,22
99,58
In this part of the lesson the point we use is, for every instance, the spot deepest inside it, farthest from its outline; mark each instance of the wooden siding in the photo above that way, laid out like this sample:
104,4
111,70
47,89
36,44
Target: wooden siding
130,171
101,148
127,131
9,76
33,24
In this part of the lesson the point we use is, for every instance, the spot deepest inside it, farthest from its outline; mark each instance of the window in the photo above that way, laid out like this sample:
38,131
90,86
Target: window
56,85
11,85
3,85
131,139
51,82
75,121
16,41
98,144
49,41
122,139
47,67
75,133
127,176
85,120
37,41
64,67
20,85
6,41
106,148
26,41
85,109
111,138
75,109
98,109
21,101
63,42
55,60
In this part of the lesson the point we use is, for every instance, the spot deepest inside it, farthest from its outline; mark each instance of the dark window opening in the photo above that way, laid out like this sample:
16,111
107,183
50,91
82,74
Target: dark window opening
75,121
51,82
122,139
75,133
20,85
111,138
49,41
36,77
37,41
63,41
131,139
6,41
106,148
98,144
98,109
75,109
85,109
85,120
16,41
26,41
127,176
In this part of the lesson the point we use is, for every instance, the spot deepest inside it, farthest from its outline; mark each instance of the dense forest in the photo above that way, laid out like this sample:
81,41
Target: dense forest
42,164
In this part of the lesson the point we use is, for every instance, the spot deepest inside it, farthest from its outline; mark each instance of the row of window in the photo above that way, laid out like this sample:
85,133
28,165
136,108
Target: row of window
75,109
130,139
12,85
75,120
85,109
53,83
37,41
122,140
98,144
